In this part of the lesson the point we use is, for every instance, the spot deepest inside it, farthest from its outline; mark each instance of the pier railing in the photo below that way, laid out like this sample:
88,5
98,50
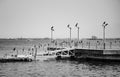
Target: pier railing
93,44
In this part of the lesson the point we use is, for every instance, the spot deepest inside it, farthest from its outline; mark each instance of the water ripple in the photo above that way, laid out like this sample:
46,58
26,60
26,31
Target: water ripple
59,69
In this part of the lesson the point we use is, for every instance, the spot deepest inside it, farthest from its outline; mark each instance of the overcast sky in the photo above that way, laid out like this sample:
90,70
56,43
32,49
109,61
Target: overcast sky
33,18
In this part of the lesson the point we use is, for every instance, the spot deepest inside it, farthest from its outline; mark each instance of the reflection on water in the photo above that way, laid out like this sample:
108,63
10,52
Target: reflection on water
60,68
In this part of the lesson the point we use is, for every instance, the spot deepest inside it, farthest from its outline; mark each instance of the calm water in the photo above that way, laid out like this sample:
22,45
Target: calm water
62,68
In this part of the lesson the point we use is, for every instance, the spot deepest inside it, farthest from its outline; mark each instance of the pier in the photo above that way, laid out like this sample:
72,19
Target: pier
61,49
84,53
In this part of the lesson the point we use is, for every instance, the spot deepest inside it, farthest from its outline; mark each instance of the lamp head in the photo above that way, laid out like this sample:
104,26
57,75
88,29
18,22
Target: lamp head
52,28
68,25
76,24
104,22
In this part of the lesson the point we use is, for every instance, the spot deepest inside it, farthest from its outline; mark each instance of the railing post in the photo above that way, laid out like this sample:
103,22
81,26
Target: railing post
110,45
35,52
89,45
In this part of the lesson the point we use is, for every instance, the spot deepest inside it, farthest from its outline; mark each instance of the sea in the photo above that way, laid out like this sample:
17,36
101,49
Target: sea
51,68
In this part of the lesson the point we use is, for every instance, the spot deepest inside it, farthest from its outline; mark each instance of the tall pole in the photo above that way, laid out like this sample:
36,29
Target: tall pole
104,25
52,33
77,33
103,37
70,32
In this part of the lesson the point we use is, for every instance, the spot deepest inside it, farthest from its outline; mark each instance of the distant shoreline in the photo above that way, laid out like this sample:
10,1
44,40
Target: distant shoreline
56,39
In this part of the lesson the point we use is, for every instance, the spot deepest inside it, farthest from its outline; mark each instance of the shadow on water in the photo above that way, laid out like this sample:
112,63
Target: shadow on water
99,62
91,62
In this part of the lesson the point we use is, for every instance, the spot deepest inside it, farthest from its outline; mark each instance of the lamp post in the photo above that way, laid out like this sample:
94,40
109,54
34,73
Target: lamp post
70,32
104,25
77,33
52,33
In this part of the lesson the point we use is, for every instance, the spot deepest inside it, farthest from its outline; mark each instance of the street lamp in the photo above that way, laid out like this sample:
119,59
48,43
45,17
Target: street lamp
70,32
78,33
52,33
104,25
